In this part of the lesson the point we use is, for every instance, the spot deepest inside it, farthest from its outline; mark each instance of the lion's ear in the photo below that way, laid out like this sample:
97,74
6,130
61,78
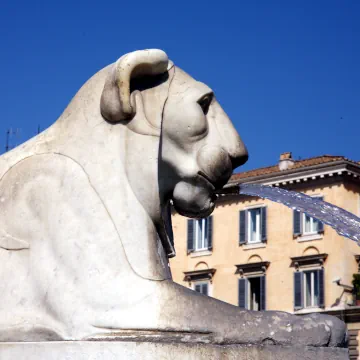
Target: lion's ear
115,102
140,123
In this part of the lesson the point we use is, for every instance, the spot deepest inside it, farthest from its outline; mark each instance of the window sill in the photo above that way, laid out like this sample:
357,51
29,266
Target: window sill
308,310
198,253
309,237
254,246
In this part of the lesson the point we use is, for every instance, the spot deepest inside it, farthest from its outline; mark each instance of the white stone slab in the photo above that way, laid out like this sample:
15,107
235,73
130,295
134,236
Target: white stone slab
116,350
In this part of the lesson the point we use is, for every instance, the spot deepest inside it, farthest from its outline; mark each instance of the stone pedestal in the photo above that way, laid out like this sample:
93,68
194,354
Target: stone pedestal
116,350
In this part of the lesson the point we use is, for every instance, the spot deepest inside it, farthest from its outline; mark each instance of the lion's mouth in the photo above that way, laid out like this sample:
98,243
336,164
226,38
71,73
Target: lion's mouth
207,179
213,196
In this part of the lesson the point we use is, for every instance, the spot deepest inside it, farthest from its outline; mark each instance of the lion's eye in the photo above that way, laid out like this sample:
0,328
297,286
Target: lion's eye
205,103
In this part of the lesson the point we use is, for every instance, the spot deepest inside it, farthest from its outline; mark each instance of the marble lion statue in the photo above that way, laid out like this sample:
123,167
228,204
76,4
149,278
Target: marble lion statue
85,224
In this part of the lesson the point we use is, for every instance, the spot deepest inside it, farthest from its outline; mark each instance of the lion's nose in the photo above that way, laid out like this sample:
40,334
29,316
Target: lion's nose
239,157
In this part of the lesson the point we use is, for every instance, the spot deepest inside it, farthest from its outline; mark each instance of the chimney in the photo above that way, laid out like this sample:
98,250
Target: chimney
286,161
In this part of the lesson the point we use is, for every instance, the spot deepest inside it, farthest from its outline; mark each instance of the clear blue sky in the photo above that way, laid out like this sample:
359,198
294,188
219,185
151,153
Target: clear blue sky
287,72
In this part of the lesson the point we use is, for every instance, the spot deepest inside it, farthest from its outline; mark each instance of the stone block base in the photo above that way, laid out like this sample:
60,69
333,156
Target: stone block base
117,350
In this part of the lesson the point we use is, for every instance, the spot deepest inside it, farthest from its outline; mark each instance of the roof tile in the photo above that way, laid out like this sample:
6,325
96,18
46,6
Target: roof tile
297,165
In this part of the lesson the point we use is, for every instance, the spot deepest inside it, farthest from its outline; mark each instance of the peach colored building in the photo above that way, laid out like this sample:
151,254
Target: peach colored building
261,255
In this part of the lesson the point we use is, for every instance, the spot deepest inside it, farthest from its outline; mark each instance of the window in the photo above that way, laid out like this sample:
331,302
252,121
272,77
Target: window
252,293
310,225
305,224
309,289
252,285
200,280
202,287
199,234
252,227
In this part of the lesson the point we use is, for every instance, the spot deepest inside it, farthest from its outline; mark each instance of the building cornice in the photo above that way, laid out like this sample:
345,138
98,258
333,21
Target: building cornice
303,174
260,266
317,259
197,275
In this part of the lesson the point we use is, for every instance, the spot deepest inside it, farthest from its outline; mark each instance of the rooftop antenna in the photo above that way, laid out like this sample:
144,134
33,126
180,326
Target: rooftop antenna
9,134
7,140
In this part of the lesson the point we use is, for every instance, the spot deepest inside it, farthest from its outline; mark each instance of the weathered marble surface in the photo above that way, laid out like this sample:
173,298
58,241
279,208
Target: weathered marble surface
85,230
72,350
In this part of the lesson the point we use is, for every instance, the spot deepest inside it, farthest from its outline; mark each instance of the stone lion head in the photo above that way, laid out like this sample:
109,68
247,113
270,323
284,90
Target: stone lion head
199,147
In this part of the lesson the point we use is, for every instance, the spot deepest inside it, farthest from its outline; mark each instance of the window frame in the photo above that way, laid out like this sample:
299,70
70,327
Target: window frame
257,226
305,265
202,282
312,221
245,225
313,286
247,295
250,293
204,234
299,232
202,246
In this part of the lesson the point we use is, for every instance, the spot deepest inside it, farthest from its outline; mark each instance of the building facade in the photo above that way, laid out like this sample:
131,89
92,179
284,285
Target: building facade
261,255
